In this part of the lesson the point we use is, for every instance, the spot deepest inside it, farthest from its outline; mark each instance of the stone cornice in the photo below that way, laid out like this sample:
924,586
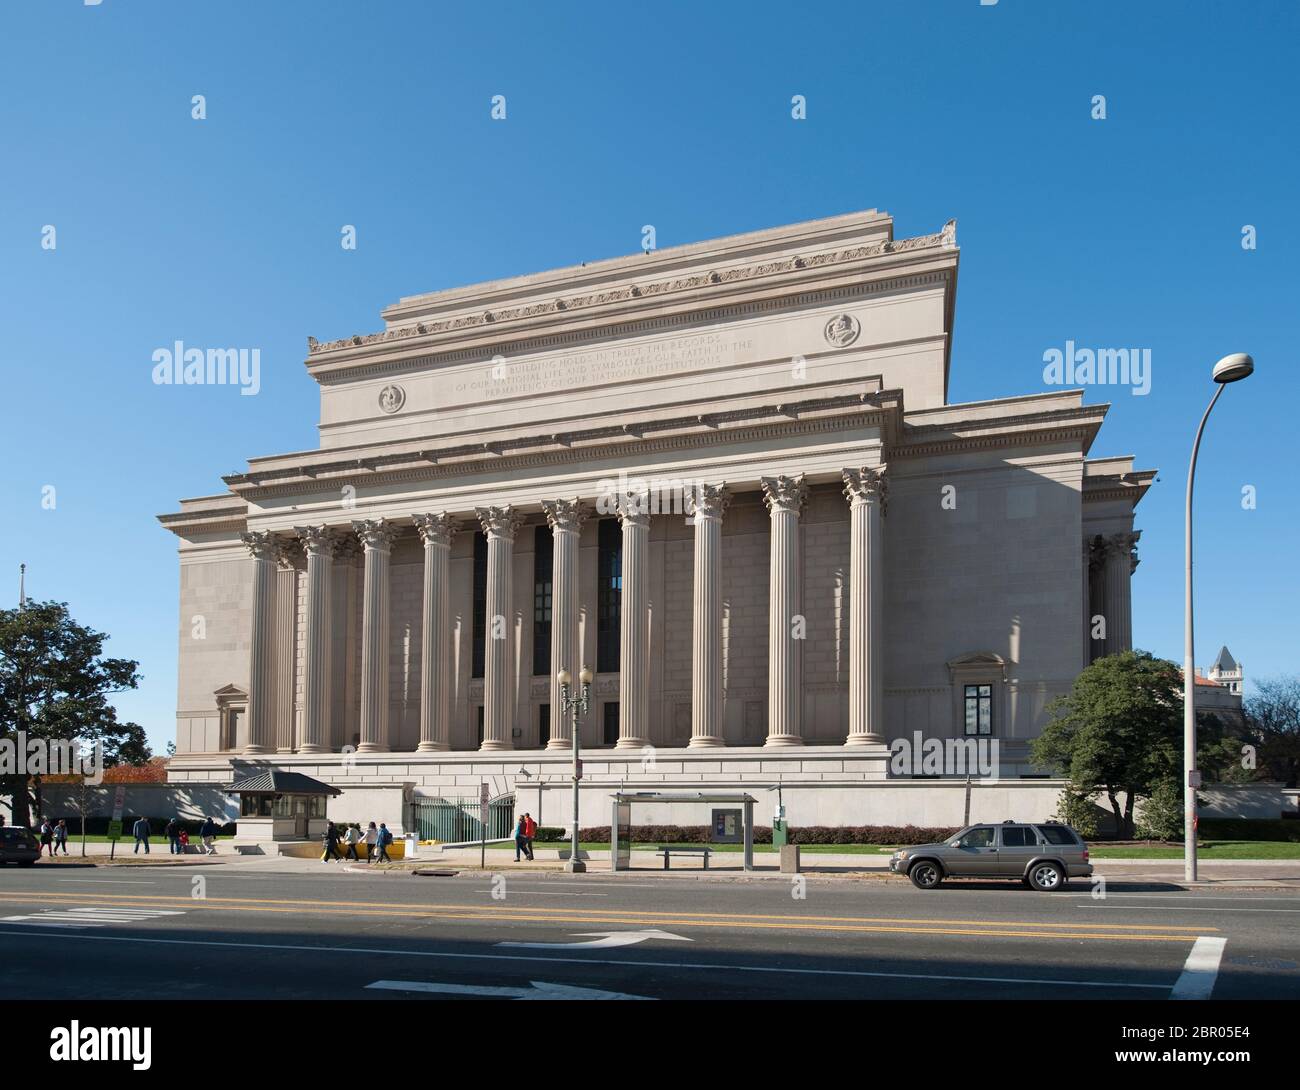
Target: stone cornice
1129,487
1078,424
651,294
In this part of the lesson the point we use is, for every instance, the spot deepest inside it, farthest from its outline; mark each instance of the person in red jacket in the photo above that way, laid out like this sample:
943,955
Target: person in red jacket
530,831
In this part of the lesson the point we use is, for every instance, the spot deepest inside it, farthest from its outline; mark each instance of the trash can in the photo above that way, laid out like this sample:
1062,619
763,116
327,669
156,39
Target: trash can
412,845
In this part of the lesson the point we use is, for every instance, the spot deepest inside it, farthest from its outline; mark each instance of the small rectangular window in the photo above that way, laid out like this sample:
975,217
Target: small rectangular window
1057,834
979,709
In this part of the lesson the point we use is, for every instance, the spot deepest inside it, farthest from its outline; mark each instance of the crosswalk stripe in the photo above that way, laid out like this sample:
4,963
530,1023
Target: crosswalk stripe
92,916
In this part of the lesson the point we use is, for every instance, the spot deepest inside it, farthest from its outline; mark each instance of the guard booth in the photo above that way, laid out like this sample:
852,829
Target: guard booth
620,824
276,805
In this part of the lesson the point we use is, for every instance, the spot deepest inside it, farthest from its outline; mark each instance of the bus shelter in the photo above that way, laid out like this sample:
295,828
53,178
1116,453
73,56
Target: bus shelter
620,825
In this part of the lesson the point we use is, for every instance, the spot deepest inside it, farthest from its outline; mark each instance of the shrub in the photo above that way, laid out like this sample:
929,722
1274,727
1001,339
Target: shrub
1249,829
1161,816
1076,809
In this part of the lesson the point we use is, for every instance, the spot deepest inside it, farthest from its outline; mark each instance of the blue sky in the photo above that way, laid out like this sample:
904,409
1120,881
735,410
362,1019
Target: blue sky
1112,233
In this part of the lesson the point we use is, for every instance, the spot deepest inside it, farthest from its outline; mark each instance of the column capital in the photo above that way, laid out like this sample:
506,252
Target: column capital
318,540
503,522
634,509
375,534
867,485
708,501
262,544
565,514
782,493
436,529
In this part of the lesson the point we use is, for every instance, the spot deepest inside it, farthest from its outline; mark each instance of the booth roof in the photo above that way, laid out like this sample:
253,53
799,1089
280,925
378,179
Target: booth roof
273,781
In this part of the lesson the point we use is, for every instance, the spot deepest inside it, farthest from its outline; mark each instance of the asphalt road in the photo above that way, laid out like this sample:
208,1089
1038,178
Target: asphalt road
246,931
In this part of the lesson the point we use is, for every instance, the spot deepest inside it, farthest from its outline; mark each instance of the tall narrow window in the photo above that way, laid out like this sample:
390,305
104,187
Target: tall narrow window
480,726
610,713
543,725
480,605
979,709
609,595
543,552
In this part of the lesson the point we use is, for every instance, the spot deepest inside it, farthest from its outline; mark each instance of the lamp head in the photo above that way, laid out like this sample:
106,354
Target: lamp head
564,677
1233,368
586,675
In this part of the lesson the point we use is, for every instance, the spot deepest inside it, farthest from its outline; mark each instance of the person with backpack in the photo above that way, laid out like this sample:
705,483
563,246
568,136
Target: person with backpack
61,837
384,838
172,832
372,835
47,836
521,838
530,831
140,830
331,839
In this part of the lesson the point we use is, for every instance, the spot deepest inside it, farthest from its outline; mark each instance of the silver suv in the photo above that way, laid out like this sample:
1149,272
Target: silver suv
1044,856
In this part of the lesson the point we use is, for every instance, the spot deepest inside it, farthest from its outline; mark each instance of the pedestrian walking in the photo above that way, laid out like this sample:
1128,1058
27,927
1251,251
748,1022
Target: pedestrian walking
352,838
530,831
61,837
372,835
172,831
382,840
521,839
208,834
47,837
184,839
331,839
140,830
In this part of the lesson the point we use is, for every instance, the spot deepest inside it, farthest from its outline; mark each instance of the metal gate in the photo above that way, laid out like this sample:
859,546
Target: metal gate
456,820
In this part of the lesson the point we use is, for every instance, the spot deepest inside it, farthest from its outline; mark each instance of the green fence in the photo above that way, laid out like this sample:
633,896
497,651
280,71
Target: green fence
456,820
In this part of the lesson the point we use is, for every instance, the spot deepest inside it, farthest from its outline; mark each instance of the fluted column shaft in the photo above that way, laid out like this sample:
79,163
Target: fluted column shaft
785,497
262,651
865,489
1118,592
286,646
706,505
565,518
500,525
376,537
319,543
436,532
634,631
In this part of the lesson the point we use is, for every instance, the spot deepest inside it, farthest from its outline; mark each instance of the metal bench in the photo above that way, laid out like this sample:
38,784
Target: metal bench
667,853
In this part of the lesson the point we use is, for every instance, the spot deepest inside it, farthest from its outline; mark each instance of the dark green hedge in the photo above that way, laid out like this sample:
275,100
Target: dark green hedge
1249,829
804,834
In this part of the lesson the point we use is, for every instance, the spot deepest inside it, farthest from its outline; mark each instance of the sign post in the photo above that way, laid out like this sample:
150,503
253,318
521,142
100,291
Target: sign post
482,825
114,826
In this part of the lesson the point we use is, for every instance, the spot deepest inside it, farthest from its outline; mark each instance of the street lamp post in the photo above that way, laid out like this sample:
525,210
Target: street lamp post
1229,369
574,705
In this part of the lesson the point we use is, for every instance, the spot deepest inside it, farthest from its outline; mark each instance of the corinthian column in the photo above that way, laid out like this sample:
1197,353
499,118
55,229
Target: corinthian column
265,551
634,632
376,536
565,518
319,542
865,489
500,524
1121,554
436,531
785,497
706,505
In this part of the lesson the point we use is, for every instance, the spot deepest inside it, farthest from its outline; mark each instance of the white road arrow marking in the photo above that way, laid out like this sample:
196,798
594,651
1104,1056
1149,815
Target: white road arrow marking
600,940
537,989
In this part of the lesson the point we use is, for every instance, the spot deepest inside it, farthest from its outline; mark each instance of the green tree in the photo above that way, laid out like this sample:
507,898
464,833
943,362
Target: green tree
1273,721
55,685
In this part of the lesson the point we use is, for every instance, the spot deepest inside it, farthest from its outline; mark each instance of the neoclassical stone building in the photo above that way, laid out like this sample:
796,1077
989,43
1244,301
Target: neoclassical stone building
725,476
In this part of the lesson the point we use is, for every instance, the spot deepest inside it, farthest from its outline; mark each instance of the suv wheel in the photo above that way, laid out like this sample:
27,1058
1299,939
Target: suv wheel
925,874
1046,877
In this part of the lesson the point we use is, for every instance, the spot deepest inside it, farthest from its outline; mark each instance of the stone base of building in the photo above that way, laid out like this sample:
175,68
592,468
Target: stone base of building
818,785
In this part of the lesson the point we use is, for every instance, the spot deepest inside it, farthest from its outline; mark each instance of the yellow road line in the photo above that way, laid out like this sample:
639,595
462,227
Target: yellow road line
600,917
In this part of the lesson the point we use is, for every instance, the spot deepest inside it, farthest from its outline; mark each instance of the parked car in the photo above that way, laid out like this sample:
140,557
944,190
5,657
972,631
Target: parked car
18,845
1045,856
